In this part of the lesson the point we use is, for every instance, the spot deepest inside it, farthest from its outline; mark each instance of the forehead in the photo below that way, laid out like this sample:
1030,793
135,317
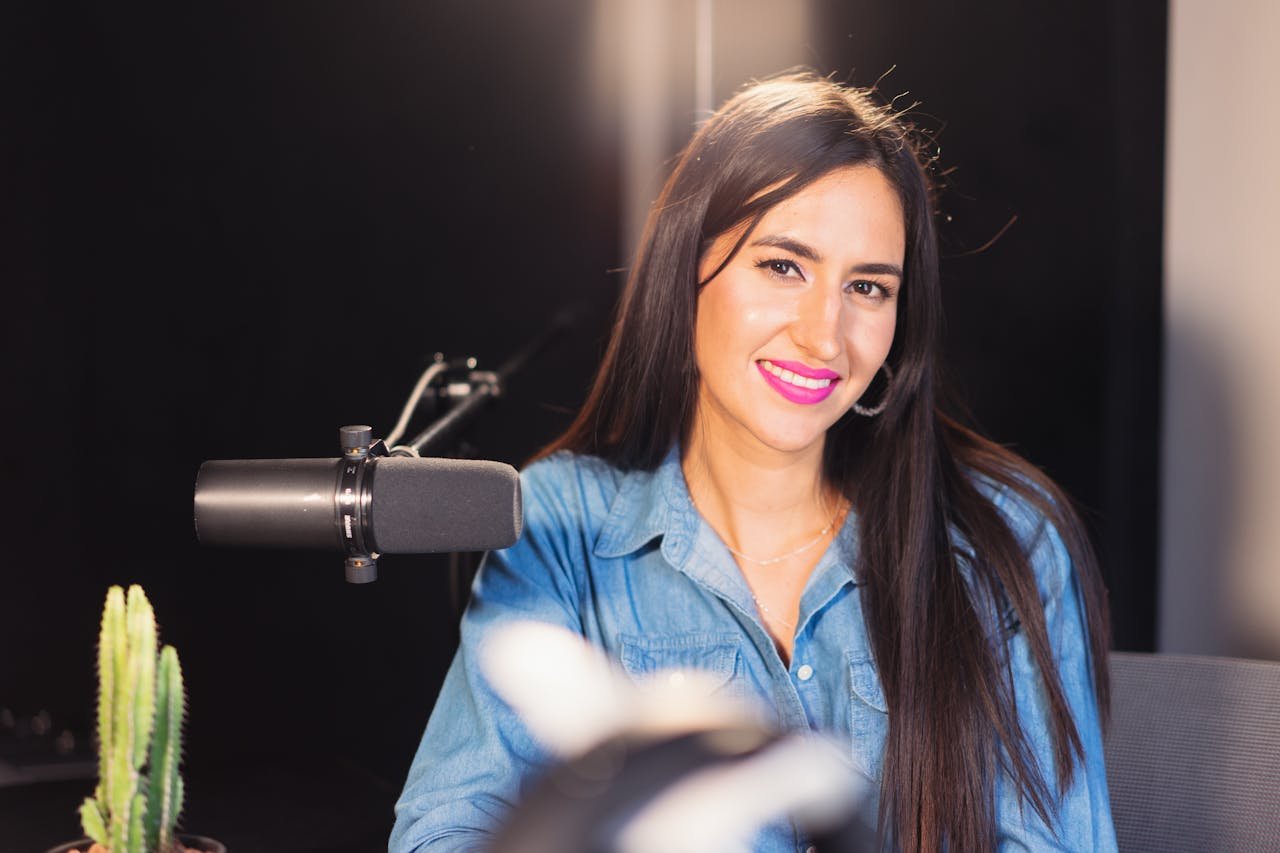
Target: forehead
853,210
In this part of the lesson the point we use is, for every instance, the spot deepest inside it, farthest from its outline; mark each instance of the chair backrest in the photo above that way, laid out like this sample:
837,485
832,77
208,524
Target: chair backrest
1193,753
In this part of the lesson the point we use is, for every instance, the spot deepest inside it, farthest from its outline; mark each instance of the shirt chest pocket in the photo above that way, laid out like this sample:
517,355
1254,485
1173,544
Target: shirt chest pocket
868,715
716,655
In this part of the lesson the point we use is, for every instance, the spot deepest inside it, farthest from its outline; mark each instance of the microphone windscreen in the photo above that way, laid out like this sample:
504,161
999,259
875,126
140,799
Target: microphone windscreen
423,506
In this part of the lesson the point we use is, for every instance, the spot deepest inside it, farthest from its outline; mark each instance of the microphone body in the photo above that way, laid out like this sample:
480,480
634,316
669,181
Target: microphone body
374,505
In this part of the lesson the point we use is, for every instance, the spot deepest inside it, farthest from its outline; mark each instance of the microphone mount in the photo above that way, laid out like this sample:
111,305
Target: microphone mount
456,380
280,503
354,500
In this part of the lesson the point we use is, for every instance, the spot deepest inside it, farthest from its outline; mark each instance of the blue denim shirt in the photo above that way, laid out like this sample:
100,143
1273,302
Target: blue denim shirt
625,560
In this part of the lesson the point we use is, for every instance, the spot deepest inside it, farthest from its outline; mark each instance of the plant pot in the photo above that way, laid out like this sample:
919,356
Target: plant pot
194,842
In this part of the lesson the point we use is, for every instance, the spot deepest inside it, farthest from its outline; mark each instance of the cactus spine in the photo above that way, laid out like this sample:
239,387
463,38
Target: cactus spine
140,713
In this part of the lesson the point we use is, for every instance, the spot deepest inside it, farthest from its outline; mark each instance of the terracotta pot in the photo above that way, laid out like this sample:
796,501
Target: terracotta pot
195,842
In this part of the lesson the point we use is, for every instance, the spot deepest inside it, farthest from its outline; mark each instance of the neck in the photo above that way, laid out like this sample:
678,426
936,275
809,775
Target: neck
761,499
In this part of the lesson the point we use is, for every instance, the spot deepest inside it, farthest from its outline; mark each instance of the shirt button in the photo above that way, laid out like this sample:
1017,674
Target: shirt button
805,672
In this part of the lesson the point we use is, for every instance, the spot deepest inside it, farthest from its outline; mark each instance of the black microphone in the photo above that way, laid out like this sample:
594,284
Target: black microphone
365,505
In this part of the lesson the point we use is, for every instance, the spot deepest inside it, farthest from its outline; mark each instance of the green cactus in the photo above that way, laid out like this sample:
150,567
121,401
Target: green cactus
140,712
164,794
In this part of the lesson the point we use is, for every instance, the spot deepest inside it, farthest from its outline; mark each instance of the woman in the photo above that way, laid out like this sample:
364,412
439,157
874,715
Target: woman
761,484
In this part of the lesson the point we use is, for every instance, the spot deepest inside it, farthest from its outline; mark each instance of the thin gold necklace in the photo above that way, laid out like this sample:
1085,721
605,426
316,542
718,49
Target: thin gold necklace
764,608
767,612
769,562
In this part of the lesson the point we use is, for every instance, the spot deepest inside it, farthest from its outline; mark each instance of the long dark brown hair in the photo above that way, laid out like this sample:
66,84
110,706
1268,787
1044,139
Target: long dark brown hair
911,473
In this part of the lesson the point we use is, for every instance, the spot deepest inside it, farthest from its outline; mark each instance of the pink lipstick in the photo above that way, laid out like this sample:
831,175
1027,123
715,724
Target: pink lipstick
797,382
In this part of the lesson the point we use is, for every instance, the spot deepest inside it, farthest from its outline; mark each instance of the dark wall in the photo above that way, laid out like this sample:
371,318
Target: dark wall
1049,122
229,229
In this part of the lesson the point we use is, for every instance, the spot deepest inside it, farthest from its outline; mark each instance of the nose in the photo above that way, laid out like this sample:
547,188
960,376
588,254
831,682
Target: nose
817,326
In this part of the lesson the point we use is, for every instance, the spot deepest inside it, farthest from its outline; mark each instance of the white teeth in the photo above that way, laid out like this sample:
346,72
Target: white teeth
792,378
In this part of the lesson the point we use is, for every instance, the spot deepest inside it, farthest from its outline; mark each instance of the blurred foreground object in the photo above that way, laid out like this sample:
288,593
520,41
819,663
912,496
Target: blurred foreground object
660,766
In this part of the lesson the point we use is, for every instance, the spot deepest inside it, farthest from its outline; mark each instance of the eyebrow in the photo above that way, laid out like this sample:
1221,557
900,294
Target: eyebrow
803,250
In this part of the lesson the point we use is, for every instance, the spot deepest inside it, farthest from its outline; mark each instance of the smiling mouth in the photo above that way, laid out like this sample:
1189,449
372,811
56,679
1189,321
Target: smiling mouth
792,378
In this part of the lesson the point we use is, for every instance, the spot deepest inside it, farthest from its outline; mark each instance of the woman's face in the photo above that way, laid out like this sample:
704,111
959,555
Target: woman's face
792,331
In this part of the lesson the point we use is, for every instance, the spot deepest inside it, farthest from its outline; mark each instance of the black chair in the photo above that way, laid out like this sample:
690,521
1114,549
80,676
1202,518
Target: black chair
1193,753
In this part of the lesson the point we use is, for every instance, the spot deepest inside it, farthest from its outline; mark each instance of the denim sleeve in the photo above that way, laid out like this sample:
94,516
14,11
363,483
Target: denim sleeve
1082,813
475,751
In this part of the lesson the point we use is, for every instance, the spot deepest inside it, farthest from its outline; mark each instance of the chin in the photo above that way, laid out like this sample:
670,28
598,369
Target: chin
790,440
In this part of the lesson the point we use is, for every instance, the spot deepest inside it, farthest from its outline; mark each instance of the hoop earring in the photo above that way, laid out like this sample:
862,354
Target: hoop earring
884,398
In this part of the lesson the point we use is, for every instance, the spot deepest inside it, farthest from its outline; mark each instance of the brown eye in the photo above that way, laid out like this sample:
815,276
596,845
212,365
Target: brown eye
781,267
871,289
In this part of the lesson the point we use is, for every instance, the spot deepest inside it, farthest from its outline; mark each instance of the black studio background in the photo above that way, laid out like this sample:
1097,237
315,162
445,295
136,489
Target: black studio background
228,229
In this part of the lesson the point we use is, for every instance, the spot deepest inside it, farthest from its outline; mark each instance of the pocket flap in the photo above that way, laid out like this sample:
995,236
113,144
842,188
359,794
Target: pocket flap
715,654
865,681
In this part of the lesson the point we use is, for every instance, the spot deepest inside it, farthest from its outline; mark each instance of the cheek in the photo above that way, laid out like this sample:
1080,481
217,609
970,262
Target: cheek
758,315
731,324
886,332
870,336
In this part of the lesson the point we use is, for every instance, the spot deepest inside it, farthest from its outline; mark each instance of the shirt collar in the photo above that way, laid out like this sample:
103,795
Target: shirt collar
657,503
650,504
